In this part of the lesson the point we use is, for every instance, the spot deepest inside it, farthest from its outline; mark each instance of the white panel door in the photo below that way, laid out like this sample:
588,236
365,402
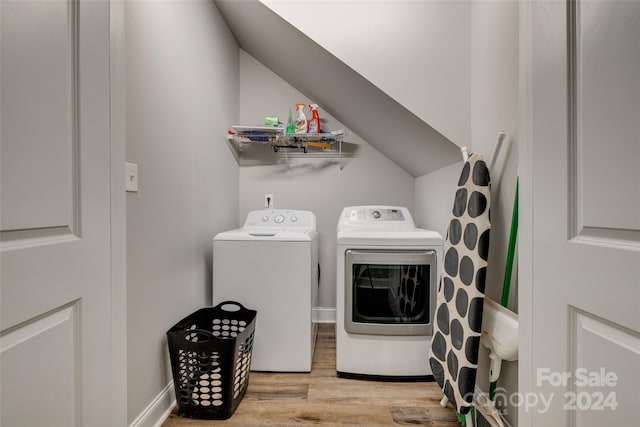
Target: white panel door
55,319
584,358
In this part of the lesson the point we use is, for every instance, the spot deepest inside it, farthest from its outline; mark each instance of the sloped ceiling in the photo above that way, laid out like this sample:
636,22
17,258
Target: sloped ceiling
361,106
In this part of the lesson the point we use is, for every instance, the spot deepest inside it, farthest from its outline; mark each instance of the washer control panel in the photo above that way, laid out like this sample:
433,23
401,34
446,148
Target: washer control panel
281,218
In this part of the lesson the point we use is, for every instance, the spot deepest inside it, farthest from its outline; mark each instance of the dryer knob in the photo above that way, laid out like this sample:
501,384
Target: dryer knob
293,218
376,214
265,218
279,218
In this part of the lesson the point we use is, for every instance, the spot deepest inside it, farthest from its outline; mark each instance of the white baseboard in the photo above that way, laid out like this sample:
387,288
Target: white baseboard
158,410
324,314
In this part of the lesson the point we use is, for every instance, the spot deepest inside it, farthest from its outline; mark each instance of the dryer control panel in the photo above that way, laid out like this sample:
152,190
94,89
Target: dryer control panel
376,214
376,217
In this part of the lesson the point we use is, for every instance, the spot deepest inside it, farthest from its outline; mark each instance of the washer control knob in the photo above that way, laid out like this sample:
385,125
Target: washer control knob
293,218
375,214
278,218
265,218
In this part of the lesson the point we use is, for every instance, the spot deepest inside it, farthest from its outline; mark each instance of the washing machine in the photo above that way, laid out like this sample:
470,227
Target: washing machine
271,265
387,277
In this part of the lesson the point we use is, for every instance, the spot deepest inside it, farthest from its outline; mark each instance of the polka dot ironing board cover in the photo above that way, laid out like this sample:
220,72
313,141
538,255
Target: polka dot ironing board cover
458,318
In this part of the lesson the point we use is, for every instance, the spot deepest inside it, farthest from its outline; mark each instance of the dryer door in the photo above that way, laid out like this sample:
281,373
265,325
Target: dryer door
390,292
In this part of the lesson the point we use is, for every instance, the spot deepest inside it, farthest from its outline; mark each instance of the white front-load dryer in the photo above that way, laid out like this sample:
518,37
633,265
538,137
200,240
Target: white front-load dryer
271,265
387,276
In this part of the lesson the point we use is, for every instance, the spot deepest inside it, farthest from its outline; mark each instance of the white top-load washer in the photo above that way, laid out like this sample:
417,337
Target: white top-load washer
271,265
387,276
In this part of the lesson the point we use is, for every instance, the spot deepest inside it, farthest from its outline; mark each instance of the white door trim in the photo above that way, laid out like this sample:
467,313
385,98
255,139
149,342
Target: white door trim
118,215
525,211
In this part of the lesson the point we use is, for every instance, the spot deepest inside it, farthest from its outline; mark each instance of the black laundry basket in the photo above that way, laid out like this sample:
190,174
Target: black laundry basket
210,354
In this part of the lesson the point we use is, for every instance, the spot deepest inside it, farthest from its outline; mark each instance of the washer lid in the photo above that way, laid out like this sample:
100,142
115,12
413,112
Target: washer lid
264,234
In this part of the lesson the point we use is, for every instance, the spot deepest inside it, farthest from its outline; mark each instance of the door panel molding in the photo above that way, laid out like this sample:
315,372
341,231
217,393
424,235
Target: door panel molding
74,75
608,237
21,239
51,180
28,329
57,372
574,220
594,218
603,366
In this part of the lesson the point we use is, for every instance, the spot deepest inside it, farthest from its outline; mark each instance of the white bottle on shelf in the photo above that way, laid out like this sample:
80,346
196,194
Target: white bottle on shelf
301,120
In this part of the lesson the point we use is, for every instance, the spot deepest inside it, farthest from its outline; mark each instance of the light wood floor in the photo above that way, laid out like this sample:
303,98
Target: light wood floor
321,398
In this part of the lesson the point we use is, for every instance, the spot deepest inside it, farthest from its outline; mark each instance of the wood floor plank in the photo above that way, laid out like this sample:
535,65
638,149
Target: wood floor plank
287,414
366,393
276,391
423,416
321,398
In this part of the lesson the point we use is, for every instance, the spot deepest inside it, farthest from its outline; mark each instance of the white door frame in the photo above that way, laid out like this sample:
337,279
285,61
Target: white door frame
525,210
118,214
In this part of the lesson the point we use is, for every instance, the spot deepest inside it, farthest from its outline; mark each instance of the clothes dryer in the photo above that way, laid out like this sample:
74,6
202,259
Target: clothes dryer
387,276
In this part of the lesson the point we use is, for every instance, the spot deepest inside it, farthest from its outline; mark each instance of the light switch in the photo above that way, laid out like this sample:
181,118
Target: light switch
132,177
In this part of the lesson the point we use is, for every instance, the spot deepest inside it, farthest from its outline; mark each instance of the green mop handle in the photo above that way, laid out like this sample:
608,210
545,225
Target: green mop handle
506,285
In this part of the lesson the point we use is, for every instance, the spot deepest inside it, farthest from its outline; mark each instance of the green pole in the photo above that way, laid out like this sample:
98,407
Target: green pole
506,285
508,268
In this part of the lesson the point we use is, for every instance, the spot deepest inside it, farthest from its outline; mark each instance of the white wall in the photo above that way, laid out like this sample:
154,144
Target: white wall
417,52
182,94
494,107
434,194
313,184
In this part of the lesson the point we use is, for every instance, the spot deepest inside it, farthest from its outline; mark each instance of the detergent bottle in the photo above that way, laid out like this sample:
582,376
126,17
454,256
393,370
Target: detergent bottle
301,120
290,127
314,123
